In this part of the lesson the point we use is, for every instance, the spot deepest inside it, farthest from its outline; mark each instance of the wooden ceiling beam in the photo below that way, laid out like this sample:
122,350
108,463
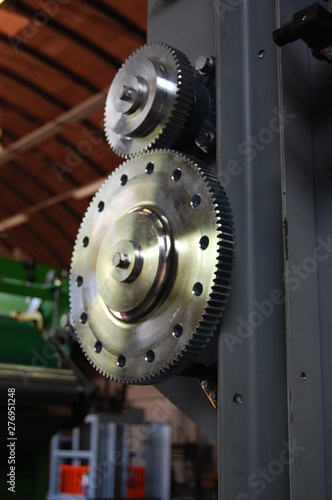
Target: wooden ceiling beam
53,127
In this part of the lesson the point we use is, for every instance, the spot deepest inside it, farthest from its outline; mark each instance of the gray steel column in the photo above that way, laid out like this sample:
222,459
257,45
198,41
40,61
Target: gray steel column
253,436
274,159
321,114
306,153
158,460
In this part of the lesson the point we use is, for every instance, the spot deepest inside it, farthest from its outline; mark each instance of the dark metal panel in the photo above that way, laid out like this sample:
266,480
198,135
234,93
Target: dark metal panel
188,25
307,246
305,403
322,156
253,438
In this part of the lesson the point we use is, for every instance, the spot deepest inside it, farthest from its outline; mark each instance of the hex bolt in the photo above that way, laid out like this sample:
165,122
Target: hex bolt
120,259
127,94
205,140
205,383
214,396
204,65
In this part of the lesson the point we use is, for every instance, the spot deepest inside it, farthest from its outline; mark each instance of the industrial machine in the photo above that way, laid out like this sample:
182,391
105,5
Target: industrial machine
223,197
153,259
41,388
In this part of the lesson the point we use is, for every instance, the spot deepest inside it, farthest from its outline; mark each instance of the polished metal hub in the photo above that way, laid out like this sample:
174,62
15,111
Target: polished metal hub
151,267
149,100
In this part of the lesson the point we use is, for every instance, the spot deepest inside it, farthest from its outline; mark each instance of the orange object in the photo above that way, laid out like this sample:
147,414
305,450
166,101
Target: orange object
136,481
71,479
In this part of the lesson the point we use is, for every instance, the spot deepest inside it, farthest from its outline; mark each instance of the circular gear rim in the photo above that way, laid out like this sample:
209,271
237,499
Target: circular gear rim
165,131
219,287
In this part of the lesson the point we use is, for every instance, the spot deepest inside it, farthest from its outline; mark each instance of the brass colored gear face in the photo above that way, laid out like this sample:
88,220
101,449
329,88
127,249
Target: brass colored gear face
151,267
149,100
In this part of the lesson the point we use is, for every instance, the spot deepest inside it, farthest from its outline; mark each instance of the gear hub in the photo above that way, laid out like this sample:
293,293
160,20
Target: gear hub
151,267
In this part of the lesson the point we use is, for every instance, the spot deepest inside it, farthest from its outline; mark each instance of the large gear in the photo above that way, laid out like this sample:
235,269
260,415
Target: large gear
149,101
151,267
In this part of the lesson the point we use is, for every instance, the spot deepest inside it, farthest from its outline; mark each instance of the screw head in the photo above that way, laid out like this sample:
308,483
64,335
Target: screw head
237,399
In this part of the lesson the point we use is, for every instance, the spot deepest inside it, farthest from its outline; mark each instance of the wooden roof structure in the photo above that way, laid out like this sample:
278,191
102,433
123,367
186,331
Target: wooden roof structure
57,61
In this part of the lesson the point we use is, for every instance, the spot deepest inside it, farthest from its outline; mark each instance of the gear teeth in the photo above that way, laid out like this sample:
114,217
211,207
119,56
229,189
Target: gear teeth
177,115
182,105
220,286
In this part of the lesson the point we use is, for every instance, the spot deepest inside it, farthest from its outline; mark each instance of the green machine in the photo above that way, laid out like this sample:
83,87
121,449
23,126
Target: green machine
41,388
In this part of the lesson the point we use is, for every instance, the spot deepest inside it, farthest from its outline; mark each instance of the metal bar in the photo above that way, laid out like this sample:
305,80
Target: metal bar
158,460
37,374
111,451
75,454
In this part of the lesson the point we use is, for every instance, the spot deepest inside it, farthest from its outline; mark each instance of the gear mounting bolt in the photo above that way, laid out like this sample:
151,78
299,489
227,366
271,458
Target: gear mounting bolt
120,259
127,94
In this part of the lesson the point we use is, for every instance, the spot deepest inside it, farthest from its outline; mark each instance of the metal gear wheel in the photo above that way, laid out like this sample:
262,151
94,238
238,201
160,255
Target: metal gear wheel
150,100
151,267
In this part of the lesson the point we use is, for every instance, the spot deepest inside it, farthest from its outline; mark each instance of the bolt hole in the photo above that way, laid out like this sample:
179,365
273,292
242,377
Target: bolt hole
204,242
303,376
84,318
149,168
85,241
197,289
261,54
149,357
177,175
123,180
196,201
237,399
98,346
101,206
79,280
177,332
121,361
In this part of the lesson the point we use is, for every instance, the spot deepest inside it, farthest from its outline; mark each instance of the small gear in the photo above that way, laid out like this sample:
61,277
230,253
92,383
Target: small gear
149,101
151,267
